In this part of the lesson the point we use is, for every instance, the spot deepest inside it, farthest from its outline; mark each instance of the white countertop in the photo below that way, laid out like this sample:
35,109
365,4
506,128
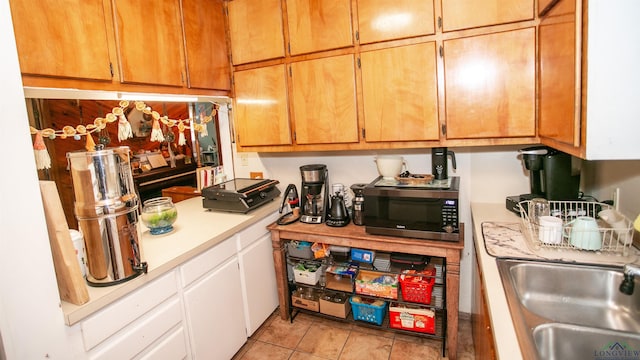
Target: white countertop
195,231
505,340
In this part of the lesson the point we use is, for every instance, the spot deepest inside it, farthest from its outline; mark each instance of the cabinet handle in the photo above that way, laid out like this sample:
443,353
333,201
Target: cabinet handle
441,51
444,129
440,22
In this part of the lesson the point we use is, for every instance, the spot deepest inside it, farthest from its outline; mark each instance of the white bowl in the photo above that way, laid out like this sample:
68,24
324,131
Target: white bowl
389,166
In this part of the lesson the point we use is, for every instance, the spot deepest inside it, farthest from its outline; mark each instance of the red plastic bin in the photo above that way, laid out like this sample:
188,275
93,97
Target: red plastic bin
419,320
417,288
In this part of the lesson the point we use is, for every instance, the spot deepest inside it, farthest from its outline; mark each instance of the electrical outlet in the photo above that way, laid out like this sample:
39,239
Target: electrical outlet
244,159
616,198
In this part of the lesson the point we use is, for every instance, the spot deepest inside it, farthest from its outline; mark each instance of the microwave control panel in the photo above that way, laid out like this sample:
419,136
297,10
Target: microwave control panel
450,215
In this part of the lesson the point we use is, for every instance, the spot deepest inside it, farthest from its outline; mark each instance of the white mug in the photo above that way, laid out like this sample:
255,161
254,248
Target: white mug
550,229
584,233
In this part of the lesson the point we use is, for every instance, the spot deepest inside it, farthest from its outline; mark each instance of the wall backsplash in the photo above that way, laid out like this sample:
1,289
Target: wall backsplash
488,174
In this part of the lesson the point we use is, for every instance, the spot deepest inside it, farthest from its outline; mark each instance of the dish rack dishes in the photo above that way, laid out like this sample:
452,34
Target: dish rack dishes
614,240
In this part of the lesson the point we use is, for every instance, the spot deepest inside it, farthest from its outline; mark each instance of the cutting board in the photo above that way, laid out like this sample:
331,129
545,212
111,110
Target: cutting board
71,284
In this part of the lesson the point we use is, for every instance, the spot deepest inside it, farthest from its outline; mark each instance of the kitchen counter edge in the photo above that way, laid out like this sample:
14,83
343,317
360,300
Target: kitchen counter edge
504,334
164,253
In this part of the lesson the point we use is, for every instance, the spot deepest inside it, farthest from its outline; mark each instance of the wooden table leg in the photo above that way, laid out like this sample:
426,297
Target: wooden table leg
453,293
280,263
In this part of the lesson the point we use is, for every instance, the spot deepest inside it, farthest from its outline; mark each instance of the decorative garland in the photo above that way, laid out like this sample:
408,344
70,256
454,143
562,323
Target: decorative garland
43,160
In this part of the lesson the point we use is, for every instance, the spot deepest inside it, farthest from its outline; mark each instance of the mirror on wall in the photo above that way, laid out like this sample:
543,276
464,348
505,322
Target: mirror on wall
184,149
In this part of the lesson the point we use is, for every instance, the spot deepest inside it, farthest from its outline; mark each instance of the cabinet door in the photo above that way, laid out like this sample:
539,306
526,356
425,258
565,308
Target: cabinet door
261,113
206,44
558,118
490,85
400,93
62,39
324,100
149,39
380,20
316,25
464,14
258,275
480,320
255,30
215,313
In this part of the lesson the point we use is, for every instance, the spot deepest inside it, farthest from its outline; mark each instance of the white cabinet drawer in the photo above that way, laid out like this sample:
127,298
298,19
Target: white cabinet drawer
207,261
140,335
123,312
254,232
173,346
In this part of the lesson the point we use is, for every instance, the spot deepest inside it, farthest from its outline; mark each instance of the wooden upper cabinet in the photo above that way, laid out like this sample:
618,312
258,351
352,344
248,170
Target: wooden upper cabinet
490,85
400,94
316,25
149,40
62,39
543,5
558,106
255,29
324,100
465,14
261,112
380,20
205,44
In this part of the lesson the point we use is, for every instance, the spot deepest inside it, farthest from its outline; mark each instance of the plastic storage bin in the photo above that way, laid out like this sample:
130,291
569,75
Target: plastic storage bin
300,249
419,320
307,275
378,284
368,310
416,288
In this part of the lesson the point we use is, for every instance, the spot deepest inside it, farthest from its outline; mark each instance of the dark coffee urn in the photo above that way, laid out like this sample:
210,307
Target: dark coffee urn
439,162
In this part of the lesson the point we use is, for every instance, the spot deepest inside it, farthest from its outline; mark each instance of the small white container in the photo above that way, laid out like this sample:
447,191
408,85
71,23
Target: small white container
78,245
550,229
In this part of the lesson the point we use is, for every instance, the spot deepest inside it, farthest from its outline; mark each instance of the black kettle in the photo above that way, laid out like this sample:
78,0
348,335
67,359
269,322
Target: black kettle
439,162
338,214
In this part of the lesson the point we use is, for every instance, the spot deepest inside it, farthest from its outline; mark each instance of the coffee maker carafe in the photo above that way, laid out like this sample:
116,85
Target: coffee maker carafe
314,197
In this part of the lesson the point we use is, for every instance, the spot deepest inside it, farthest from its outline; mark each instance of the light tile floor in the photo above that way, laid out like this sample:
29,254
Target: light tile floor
314,338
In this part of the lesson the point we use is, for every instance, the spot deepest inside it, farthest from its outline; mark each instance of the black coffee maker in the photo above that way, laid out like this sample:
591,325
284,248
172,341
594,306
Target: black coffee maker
552,175
314,197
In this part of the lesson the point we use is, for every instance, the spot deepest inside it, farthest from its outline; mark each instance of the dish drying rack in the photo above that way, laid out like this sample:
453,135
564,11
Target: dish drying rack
616,241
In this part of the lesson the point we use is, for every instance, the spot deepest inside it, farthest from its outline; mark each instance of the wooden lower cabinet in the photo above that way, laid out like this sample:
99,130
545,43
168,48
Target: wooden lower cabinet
354,236
480,321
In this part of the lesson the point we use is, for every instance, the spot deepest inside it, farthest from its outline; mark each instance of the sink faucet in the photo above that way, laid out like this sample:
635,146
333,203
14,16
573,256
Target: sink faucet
629,271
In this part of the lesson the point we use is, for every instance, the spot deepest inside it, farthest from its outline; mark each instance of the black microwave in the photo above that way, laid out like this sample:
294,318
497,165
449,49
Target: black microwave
416,212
